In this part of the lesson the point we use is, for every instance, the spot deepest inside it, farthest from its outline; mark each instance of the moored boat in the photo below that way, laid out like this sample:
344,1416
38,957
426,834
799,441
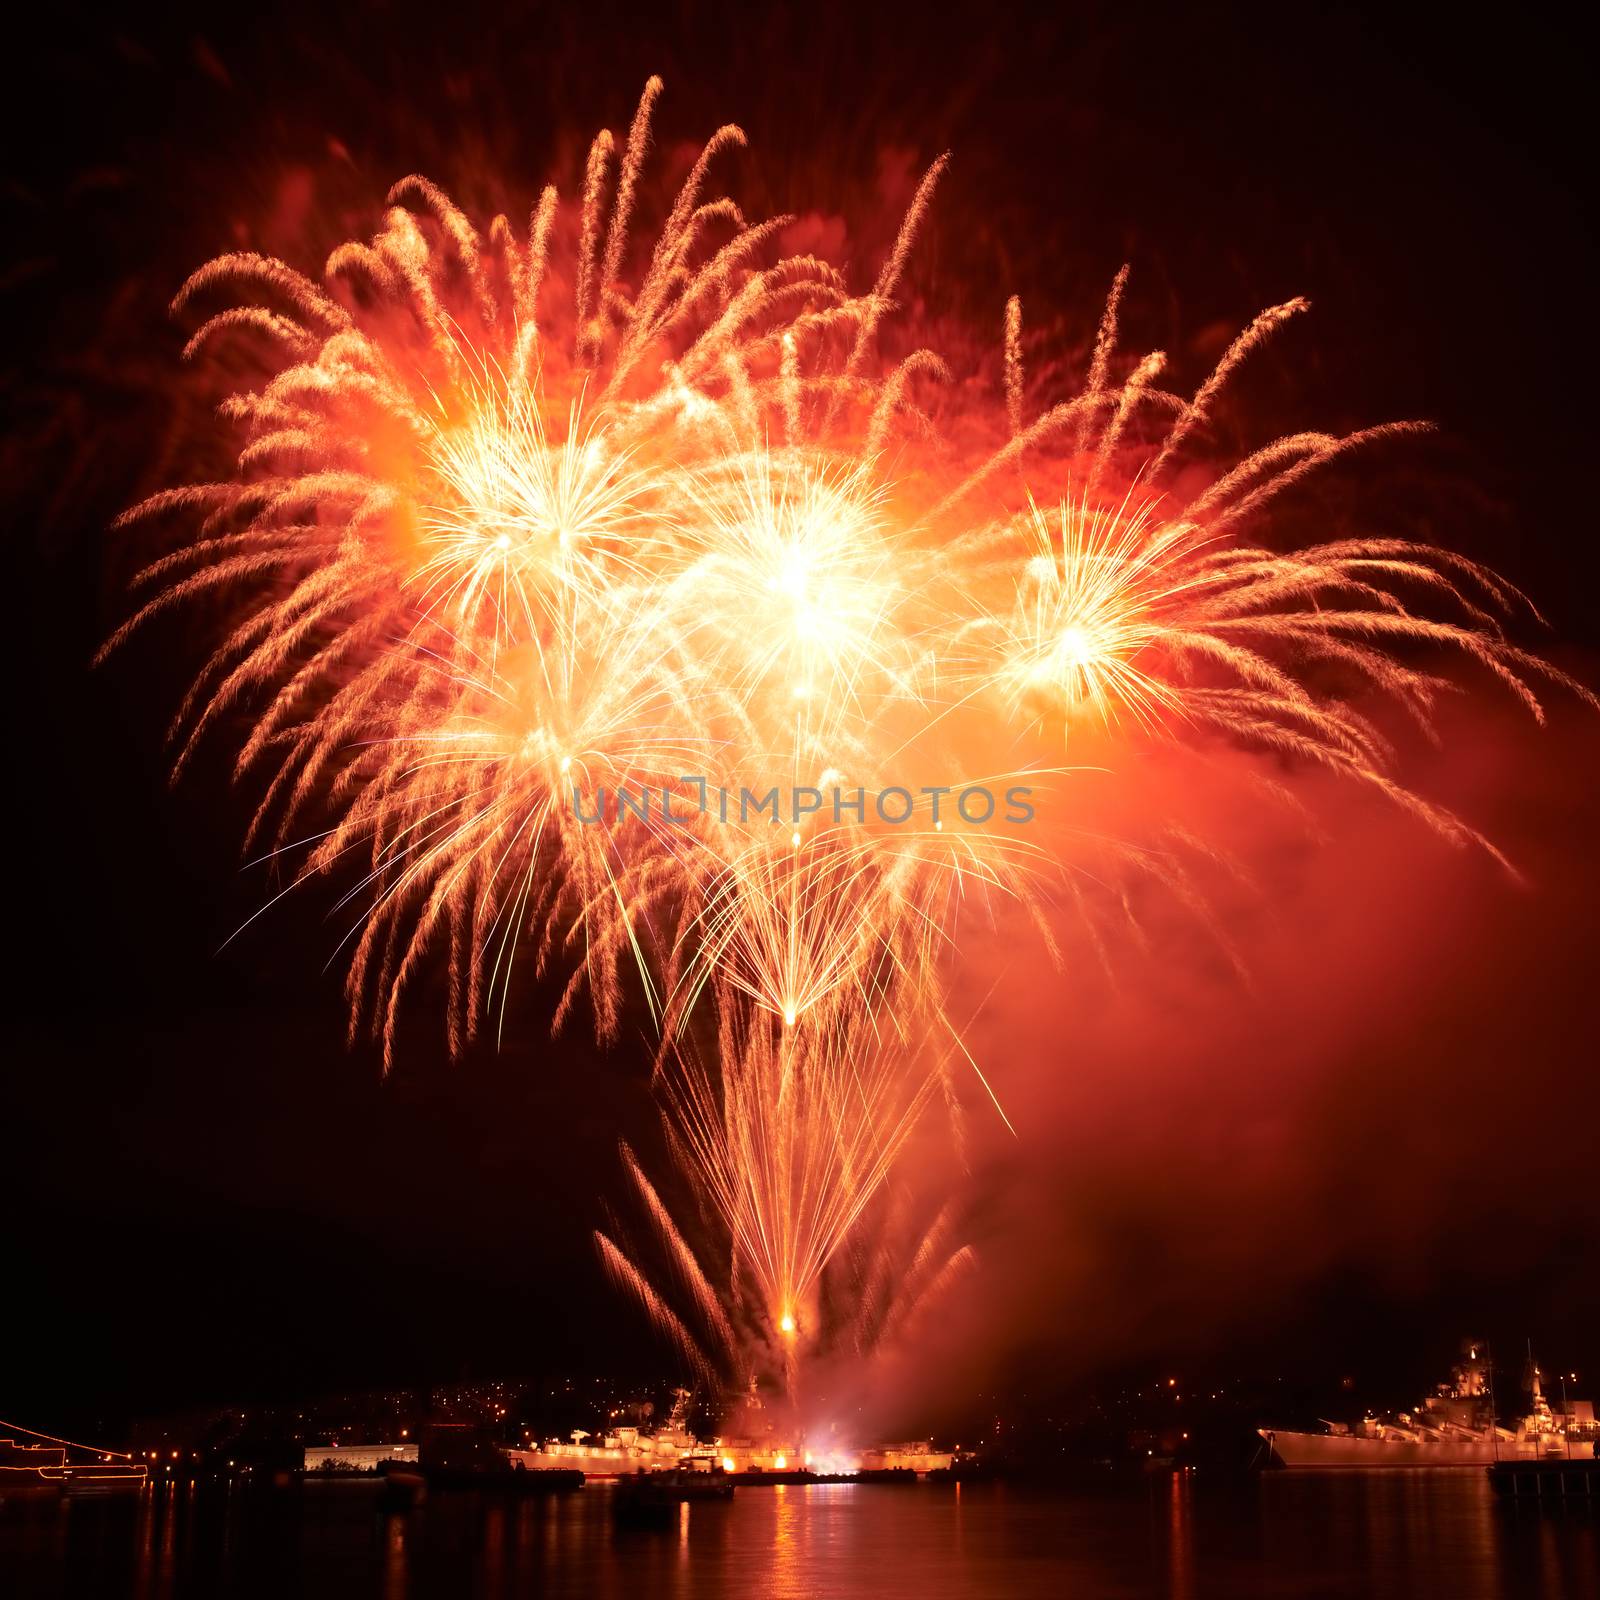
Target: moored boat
656,1497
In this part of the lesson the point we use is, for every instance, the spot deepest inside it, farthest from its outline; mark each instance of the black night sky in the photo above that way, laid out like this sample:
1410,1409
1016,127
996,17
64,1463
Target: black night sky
206,1195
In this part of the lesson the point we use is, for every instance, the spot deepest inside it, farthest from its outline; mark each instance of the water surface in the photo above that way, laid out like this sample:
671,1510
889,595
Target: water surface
1418,1535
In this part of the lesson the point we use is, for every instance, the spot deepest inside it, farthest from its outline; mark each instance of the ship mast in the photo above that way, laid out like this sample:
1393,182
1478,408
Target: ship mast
1494,1410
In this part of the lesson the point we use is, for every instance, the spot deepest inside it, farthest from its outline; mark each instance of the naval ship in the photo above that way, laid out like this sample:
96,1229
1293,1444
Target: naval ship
1455,1426
673,1448
623,1452
45,1464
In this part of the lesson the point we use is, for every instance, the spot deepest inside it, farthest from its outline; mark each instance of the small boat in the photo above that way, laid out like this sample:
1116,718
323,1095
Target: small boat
404,1486
654,1497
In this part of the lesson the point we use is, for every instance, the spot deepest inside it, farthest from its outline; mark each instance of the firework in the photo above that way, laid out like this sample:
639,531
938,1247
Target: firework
789,1135
550,549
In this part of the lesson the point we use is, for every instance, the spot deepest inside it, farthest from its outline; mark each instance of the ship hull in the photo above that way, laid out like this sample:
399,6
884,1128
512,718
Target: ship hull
1349,1450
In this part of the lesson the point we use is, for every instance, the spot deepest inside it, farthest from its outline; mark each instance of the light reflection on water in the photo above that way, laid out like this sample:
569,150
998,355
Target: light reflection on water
1422,1536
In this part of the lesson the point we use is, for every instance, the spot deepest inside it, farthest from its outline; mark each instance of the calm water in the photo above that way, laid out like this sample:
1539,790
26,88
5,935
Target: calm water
1381,1534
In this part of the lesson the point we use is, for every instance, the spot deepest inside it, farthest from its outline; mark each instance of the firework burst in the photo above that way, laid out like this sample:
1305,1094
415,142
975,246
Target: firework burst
522,547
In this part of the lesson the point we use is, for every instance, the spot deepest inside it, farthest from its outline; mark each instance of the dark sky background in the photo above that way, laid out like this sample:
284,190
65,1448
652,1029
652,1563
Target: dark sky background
1387,1139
